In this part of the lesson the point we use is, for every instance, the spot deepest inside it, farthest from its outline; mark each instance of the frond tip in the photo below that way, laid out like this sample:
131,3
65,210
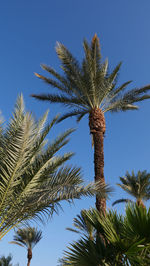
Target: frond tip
94,38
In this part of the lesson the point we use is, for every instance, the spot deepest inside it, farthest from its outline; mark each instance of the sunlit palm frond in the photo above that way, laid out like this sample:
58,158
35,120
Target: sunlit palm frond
33,178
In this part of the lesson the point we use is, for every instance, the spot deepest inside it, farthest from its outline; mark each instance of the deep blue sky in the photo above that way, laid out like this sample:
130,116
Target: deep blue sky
28,34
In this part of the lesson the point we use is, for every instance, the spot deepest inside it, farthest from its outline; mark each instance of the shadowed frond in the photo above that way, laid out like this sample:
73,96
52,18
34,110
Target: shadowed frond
122,241
83,225
121,201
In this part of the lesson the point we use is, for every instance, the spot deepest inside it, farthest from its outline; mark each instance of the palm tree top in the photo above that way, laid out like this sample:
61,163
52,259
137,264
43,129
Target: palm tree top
89,85
137,185
27,237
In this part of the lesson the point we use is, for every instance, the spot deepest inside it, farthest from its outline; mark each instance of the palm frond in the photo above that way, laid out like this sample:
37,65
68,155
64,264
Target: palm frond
33,177
121,201
122,240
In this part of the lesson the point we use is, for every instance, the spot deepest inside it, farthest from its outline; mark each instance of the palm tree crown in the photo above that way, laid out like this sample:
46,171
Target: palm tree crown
89,88
137,186
28,238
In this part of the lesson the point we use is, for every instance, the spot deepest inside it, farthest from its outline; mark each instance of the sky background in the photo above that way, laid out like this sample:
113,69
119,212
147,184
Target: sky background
28,34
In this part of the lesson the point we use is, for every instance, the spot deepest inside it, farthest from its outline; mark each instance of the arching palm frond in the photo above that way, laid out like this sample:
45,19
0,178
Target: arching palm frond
33,178
121,201
83,225
136,185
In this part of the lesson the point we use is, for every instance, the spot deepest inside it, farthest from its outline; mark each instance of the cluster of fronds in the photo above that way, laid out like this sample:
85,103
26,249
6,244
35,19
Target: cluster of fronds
89,85
120,240
33,178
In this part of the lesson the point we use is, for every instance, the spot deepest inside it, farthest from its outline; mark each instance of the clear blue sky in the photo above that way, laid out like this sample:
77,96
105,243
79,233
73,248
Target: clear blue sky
28,34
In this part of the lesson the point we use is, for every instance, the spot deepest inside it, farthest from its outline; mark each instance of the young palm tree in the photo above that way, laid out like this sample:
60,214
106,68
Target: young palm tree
137,186
33,178
90,89
27,238
125,240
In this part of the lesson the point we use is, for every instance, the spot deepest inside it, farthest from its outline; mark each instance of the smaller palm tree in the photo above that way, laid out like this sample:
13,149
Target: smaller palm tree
137,186
6,261
27,238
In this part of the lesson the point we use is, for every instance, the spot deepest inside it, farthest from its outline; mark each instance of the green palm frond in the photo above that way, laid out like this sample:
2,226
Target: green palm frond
122,240
33,178
83,225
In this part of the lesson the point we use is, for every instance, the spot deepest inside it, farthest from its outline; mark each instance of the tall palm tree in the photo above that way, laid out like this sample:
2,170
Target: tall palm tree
90,89
137,186
33,177
125,240
28,238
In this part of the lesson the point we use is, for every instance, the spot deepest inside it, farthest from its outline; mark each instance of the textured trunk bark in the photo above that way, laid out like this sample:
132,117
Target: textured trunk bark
29,256
97,129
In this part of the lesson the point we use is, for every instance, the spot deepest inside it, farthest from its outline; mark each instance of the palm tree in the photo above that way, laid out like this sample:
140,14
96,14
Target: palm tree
6,261
28,238
33,177
90,89
125,240
137,186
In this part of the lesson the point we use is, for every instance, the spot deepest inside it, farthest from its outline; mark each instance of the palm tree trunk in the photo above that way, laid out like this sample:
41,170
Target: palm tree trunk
29,256
28,264
139,202
97,129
